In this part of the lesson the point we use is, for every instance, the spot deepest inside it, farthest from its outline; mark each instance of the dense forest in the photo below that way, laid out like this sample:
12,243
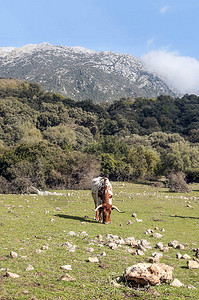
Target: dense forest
49,141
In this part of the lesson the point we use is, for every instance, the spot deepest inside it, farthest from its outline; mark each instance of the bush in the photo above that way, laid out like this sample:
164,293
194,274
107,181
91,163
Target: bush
177,183
5,186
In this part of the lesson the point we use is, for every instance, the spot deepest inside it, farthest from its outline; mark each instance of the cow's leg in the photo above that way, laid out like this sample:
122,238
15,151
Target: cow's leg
100,215
97,215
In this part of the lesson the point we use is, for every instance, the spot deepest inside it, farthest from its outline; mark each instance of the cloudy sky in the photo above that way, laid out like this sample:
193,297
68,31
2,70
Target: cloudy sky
164,33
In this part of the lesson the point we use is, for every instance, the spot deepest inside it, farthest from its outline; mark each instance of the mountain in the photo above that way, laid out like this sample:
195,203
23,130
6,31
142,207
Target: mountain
80,74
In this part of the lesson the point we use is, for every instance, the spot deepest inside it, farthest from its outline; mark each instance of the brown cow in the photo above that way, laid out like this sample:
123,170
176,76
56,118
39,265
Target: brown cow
102,194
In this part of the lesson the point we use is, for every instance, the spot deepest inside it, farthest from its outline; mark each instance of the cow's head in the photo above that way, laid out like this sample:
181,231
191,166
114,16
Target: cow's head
106,210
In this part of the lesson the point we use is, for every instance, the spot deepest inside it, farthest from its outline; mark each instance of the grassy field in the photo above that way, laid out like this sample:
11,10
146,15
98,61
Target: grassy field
37,228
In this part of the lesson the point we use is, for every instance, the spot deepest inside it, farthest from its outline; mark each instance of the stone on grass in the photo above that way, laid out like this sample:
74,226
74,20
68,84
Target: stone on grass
192,264
67,277
190,286
93,259
90,249
157,255
157,235
180,246
72,233
154,260
29,268
148,274
179,255
149,231
139,252
45,247
38,250
186,256
173,244
13,254
12,275
177,283
66,267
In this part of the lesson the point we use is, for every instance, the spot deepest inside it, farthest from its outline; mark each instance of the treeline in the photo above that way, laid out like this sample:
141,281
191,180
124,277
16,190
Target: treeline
49,141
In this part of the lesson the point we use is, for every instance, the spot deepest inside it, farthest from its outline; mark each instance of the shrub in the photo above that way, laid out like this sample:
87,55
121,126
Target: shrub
5,186
177,183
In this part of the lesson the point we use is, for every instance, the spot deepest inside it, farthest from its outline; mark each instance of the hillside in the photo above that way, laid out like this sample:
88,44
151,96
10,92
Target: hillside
47,140
80,73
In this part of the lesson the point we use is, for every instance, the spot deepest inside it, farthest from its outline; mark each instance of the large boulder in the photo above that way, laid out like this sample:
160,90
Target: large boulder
148,274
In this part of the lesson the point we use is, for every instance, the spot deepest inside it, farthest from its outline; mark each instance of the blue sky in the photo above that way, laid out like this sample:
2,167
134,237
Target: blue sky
143,28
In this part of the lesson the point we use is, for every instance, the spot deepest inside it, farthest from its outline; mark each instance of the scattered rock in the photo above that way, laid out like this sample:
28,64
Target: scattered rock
186,256
72,233
157,235
66,267
149,231
100,237
129,223
115,284
157,255
45,247
138,220
190,286
103,253
67,277
12,275
134,215
173,244
13,254
179,255
177,283
154,260
192,264
93,259
38,251
30,268
145,273
90,249
180,246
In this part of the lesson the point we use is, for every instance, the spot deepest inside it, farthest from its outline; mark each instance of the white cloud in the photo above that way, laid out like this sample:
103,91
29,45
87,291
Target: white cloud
164,9
180,72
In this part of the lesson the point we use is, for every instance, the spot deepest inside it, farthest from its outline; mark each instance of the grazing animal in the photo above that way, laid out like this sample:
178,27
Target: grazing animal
102,194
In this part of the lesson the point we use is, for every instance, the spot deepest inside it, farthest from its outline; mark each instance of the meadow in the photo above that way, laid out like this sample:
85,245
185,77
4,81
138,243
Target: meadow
44,230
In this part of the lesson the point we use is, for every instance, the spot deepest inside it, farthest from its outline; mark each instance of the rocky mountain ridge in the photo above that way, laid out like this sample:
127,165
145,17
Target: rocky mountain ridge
81,73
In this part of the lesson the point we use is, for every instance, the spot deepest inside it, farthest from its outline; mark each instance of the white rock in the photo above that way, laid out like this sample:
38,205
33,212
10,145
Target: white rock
45,247
93,259
179,255
186,256
157,255
30,268
72,233
13,254
67,277
90,249
174,244
66,267
192,264
177,283
38,251
12,275
157,235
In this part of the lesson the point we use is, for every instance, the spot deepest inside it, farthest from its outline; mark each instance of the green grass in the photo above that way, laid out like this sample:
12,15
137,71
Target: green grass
25,227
